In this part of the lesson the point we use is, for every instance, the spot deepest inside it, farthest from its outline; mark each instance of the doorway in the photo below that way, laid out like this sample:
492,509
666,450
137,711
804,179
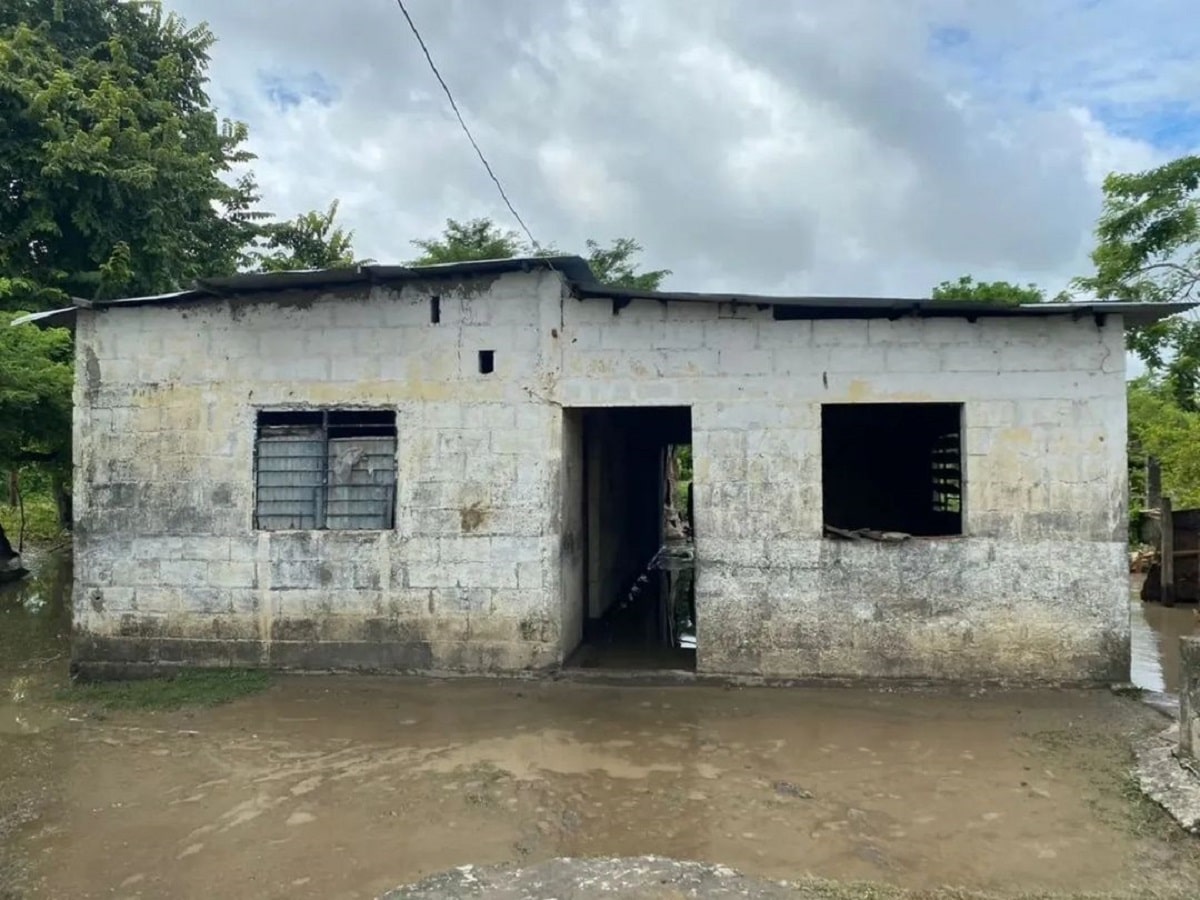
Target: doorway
628,591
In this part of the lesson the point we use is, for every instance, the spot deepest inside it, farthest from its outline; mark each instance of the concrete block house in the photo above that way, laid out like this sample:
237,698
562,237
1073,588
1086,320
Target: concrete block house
463,468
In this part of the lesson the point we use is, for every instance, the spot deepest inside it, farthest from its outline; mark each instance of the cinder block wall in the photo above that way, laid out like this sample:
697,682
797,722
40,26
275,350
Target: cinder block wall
1036,589
168,564
169,567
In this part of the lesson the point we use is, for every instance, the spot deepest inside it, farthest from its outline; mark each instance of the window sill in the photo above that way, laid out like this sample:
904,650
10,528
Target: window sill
323,530
899,538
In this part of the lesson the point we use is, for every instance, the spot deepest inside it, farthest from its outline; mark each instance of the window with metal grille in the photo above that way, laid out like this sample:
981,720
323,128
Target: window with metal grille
893,467
325,470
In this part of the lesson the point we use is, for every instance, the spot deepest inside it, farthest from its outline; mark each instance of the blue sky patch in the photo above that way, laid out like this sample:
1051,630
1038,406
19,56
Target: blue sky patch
287,90
1169,126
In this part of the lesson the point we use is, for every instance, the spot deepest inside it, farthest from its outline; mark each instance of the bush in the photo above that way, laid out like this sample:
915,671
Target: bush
41,521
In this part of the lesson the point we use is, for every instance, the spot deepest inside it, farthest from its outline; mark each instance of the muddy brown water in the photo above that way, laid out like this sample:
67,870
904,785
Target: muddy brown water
1155,632
347,787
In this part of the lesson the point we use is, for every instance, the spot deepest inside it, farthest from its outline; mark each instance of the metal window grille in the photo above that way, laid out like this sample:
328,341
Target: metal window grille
947,474
325,470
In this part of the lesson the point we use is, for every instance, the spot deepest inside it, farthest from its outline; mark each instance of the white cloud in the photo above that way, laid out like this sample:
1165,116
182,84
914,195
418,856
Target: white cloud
869,146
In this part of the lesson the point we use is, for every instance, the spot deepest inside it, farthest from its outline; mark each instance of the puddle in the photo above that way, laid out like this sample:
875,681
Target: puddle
34,625
346,787
34,652
1155,632
339,787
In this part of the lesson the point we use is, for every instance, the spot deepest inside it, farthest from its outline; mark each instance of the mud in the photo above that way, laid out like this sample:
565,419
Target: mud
348,787
33,661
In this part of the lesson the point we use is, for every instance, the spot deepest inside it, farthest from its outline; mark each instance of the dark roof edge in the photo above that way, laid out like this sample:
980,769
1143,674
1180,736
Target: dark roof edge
578,274
573,268
53,318
1135,314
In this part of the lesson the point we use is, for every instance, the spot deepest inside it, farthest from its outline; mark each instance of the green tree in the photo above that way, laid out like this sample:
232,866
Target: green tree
615,266
467,241
116,178
115,166
1148,249
1001,293
482,239
1148,237
1159,427
36,370
312,240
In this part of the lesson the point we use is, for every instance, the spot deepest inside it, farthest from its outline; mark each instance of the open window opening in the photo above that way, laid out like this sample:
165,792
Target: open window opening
893,467
325,470
629,597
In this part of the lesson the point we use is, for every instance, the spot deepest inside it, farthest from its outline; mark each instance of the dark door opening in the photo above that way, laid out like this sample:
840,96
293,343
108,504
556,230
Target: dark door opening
629,507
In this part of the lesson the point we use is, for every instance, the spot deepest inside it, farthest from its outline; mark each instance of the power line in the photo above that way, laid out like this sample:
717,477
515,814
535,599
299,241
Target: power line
466,130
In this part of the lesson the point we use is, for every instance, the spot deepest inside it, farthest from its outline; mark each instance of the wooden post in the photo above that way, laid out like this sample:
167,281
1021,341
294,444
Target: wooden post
1153,483
1167,552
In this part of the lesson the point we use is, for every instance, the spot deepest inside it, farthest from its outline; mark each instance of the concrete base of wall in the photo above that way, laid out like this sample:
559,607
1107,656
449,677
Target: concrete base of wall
114,659
102,658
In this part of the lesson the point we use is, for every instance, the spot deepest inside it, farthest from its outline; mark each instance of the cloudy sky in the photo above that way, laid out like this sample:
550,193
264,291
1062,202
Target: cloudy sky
778,146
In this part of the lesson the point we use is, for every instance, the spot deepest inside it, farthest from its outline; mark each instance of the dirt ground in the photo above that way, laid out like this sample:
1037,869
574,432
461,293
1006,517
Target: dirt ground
347,787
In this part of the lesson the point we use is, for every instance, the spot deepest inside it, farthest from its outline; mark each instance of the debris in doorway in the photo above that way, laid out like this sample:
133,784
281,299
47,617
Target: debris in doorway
1141,559
676,556
867,534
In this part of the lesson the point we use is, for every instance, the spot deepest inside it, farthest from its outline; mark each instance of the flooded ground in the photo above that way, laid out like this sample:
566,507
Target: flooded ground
347,787
1155,632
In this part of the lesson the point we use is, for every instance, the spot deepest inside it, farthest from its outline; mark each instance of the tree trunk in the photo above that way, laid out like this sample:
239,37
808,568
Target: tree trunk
14,487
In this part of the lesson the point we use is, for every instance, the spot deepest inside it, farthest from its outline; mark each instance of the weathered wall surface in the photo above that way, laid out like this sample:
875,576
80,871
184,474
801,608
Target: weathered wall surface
1034,590
472,577
169,566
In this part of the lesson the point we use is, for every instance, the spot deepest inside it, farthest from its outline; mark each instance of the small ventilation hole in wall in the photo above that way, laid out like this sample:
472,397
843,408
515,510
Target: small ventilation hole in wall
435,309
487,362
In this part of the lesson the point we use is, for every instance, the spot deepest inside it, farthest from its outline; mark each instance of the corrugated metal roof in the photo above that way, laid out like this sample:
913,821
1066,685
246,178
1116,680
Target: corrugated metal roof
897,307
584,285
54,318
573,268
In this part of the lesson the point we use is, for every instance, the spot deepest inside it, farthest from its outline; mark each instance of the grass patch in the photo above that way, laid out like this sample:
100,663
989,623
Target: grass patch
41,521
188,687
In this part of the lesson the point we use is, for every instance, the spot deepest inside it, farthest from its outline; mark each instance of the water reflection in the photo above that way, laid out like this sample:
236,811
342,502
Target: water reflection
34,633
1155,632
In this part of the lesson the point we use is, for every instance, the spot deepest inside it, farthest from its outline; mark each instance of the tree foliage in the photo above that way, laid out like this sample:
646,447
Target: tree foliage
312,240
116,178
466,241
1001,293
1158,427
615,265
1148,249
478,239
115,168
36,370
1148,237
